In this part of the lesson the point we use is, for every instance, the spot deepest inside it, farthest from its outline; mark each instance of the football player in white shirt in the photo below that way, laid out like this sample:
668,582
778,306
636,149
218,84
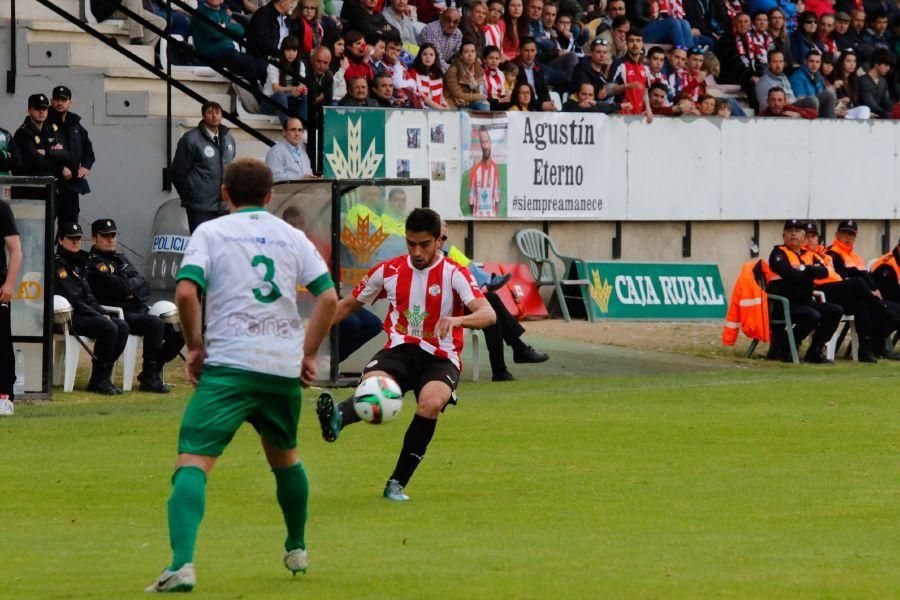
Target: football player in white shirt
249,263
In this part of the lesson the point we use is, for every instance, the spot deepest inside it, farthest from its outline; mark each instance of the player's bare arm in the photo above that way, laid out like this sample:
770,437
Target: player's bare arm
346,307
480,315
187,298
319,323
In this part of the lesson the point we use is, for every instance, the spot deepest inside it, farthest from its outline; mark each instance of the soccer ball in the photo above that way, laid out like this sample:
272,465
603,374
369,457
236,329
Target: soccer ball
378,400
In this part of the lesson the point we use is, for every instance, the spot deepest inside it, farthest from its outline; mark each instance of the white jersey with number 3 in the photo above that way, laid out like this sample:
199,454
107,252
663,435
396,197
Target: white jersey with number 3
250,263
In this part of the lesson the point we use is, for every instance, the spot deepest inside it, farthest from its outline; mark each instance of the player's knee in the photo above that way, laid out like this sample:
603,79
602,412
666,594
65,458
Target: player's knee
431,405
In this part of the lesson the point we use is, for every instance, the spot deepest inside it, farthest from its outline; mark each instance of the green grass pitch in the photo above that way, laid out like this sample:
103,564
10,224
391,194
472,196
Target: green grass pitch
746,483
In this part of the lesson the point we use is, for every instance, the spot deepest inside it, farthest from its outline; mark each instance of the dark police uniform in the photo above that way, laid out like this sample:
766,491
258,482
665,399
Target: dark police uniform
794,280
7,357
115,282
30,138
88,318
74,138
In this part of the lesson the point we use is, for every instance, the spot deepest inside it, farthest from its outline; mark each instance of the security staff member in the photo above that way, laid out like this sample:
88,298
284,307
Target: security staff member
78,144
886,272
88,318
40,145
790,277
115,282
852,294
885,317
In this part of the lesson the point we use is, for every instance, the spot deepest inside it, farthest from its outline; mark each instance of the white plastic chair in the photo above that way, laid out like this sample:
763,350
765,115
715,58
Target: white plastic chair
66,350
128,358
477,341
831,345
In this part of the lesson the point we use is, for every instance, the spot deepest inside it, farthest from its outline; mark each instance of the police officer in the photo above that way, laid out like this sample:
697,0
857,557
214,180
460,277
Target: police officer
886,272
40,144
88,318
78,144
790,277
115,282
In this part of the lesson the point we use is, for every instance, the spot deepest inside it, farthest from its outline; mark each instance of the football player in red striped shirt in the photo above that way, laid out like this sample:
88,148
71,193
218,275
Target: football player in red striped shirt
428,295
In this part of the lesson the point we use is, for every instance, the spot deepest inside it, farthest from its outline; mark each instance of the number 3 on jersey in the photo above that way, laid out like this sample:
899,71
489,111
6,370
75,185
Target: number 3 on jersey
274,293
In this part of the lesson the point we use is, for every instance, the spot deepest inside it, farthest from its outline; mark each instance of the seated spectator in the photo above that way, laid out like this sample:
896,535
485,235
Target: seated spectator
464,82
383,92
667,24
495,27
268,27
877,36
217,49
338,68
376,49
356,53
307,17
620,28
396,13
585,100
723,108
523,97
856,36
759,35
444,35
781,39
515,29
495,84
777,106
288,159
428,76
282,84
806,37
88,318
825,33
116,282
631,78
841,28
707,106
659,100
537,30
473,25
181,21
138,35
531,73
695,75
364,17
810,89
393,66
677,70
845,83
741,59
321,83
595,70
772,78
358,93
566,51
656,60
873,86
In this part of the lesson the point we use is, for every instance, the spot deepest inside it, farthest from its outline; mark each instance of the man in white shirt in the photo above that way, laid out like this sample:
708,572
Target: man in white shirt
287,158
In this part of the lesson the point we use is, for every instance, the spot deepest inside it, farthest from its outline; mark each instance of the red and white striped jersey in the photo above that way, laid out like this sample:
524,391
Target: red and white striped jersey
494,84
493,35
427,86
418,299
484,189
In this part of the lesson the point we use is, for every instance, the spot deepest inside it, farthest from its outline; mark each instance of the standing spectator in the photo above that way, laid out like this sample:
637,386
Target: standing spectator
472,26
288,159
358,94
428,76
806,37
444,34
667,24
40,143
308,19
104,10
781,40
199,165
397,16
873,87
9,153
631,77
78,144
532,74
283,83
9,275
363,16
217,48
772,78
115,281
88,318
268,27
777,106
515,27
464,81
808,83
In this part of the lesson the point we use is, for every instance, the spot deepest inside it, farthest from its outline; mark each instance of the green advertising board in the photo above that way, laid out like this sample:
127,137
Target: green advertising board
354,143
660,291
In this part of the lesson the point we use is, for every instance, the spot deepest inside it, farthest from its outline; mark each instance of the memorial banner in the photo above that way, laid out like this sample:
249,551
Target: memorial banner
621,290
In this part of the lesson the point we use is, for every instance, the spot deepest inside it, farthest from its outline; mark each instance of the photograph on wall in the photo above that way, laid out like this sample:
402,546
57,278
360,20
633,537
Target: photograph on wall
483,187
437,133
414,138
403,168
438,170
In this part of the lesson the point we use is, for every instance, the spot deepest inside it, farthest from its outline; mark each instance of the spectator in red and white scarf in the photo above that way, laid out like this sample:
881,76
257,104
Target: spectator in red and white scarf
741,61
678,77
695,76
429,78
631,78
759,35
308,18
656,60
493,77
826,35
495,27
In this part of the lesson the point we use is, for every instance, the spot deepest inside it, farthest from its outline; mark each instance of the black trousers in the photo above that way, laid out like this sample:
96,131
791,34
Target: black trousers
853,296
7,356
356,330
67,205
110,335
506,329
162,342
198,217
823,317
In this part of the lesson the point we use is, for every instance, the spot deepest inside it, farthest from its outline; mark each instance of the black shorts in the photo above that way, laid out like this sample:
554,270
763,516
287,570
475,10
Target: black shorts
411,367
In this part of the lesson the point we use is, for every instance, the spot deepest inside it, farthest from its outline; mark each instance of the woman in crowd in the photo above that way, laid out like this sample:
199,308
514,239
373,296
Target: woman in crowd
282,84
308,17
515,27
805,38
426,72
780,38
523,97
464,81
473,24
397,16
339,64
845,81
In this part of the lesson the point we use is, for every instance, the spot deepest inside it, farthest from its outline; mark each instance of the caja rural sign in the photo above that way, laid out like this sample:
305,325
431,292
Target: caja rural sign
620,290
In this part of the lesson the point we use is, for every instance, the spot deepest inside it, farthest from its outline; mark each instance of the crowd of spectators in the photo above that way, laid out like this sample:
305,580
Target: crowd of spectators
828,58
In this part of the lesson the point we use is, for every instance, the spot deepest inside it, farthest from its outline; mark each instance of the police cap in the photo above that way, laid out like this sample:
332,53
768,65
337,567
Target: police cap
62,91
811,227
69,230
848,225
103,226
38,101
794,224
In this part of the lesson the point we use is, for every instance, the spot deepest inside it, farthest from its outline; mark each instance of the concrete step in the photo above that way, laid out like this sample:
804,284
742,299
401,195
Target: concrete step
142,80
30,9
87,54
137,103
63,31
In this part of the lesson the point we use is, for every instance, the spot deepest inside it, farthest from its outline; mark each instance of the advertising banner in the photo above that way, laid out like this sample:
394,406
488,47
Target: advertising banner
659,291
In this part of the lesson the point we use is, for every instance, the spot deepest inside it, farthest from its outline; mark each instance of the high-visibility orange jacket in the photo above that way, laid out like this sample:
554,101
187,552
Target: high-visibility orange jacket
851,259
890,260
749,308
818,255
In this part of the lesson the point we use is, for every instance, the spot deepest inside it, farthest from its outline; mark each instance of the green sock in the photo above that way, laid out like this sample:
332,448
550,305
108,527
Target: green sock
292,489
186,506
